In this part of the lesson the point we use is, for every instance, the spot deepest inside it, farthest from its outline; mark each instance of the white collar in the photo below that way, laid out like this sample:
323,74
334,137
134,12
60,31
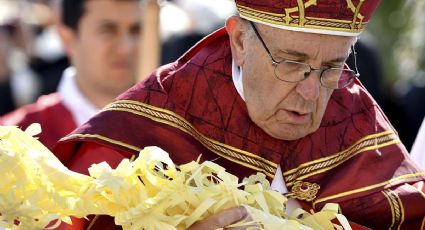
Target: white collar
73,99
237,79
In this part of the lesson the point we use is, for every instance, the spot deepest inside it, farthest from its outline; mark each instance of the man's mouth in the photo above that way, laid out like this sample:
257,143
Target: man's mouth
298,117
122,65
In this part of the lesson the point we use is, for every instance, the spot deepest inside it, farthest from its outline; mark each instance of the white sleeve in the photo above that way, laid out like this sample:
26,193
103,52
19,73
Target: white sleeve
418,149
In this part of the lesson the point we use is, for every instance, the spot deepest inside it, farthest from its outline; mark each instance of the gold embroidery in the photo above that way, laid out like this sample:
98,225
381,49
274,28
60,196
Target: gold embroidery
304,191
315,167
301,9
355,9
393,216
370,187
258,178
396,206
303,21
333,156
356,13
167,117
106,139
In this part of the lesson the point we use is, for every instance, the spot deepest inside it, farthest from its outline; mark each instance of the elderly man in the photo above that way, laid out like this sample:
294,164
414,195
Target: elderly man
270,93
101,40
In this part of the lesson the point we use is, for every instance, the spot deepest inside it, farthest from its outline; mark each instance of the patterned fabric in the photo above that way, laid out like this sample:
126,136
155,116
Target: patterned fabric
338,17
191,107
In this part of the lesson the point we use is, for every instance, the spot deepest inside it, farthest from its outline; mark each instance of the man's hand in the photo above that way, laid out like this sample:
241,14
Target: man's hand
222,219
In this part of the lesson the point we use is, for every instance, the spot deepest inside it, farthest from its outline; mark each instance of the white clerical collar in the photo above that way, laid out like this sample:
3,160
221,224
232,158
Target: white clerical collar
237,78
79,106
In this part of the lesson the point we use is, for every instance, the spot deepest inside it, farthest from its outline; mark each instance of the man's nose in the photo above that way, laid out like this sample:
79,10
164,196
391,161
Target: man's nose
309,88
127,44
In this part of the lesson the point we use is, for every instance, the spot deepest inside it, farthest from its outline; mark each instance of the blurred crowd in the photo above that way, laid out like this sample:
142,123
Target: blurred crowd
31,56
33,59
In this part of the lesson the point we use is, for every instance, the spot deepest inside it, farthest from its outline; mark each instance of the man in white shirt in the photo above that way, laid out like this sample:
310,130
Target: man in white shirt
101,38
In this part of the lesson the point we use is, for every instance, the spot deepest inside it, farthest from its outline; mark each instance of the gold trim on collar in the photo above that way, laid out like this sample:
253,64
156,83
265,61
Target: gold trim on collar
324,164
370,187
396,206
164,116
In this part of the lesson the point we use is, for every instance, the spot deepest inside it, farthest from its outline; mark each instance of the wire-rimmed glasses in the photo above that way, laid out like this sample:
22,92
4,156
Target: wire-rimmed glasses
293,71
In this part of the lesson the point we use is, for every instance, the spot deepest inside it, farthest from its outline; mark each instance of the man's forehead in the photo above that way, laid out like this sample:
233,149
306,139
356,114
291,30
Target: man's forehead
306,46
121,8
289,40
93,5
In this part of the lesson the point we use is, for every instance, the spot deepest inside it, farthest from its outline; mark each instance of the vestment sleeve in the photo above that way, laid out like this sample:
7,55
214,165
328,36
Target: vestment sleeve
87,154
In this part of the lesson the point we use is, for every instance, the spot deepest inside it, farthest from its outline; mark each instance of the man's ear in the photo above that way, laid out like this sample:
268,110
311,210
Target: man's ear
236,28
68,37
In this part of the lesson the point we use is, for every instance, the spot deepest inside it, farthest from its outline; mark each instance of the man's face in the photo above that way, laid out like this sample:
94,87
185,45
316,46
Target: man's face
288,111
104,49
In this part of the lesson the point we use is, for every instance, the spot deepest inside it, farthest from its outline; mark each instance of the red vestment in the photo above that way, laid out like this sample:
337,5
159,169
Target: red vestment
55,119
191,107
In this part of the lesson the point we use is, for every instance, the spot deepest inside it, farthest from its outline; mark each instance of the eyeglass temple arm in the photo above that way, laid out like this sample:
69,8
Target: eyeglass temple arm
355,60
262,41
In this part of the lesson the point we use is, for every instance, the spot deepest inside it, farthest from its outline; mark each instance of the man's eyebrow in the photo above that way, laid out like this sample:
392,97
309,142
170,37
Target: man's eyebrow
106,22
304,55
338,60
295,53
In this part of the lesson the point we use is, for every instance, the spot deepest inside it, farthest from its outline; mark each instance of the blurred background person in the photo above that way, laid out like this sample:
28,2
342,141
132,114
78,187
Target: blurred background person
18,83
6,97
48,59
185,22
101,38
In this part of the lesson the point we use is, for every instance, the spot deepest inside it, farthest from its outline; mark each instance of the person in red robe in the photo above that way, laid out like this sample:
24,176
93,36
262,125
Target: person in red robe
269,93
101,39
45,112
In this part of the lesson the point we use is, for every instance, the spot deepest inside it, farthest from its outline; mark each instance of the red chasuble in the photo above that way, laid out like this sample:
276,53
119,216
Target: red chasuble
191,108
55,119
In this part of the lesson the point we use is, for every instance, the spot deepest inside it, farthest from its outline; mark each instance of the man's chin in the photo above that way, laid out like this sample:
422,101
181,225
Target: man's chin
289,133
120,72
289,137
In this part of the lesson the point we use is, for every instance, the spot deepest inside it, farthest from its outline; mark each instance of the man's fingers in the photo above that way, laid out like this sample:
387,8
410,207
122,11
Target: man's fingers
221,219
252,226
230,216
